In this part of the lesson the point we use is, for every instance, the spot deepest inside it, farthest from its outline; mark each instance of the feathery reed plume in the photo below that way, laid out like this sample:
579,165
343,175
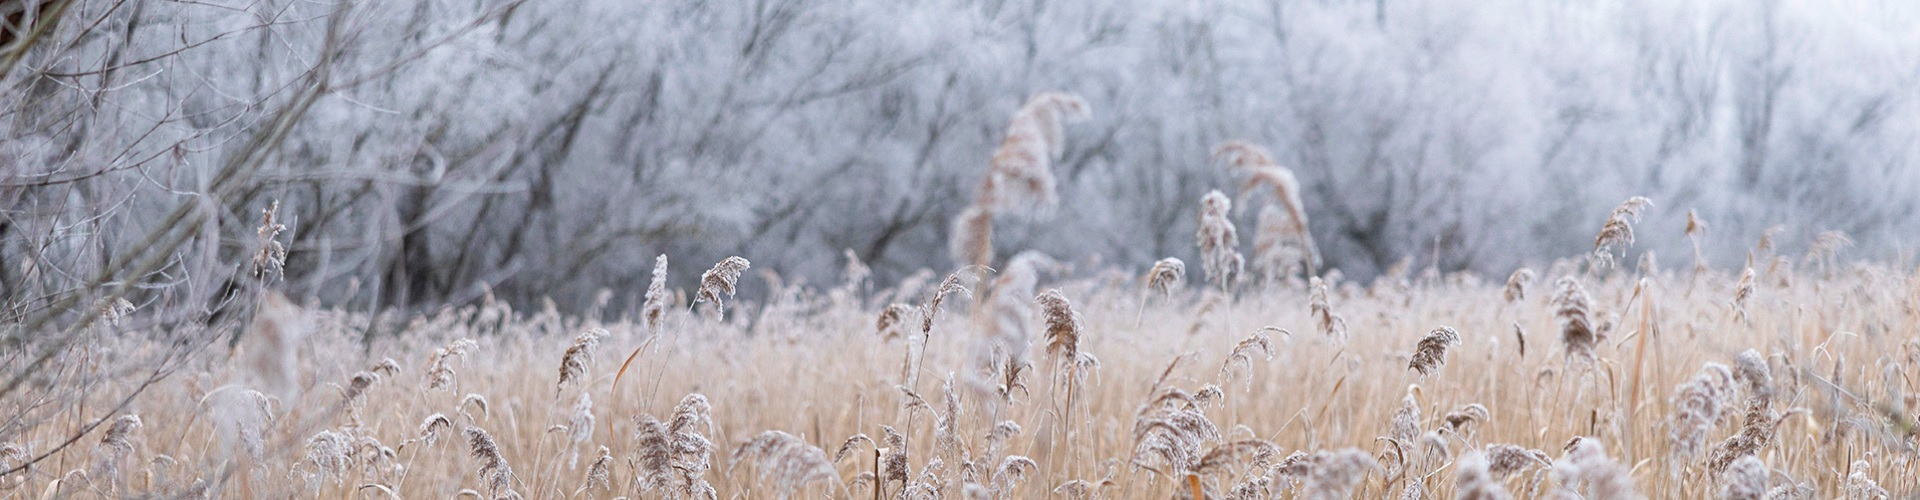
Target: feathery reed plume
654,312
1321,307
1698,406
599,473
1505,459
1618,231
1405,426
1750,369
1862,486
893,321
573,364
1742,292
1472,480
1333,474
1219,243
1431,353
674,456
1012,470
270,259
1020,175
1282,241
1064,326
1827,246
331,454
1223,457
114,448
971,238
1169,430
720,281
1517,283
272,351
1757,430
477,401
1586,467
895,466
434,427
493,467
1242,354
440,371
1167,275
951,285
1570,308
784,460
1746,479
1473,413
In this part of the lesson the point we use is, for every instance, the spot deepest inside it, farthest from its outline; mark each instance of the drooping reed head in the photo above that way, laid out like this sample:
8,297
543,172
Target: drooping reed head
720,281
1431,353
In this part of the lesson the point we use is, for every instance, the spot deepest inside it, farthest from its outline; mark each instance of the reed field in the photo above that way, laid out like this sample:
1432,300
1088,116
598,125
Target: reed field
1784,383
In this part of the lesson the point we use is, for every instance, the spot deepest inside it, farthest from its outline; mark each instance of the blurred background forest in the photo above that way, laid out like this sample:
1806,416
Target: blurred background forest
424,152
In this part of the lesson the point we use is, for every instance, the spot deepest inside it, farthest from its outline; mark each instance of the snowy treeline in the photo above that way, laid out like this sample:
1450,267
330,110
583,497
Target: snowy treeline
421,150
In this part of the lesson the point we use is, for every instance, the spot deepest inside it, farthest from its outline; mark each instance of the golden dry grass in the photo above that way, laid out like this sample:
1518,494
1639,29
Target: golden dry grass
1841,351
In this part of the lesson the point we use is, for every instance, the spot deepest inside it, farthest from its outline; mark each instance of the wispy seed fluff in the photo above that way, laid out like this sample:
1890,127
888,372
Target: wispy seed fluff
573,364
1618,230
1167,275
1431,353
1064,325
1698,406
784,460
1472,481
1587,470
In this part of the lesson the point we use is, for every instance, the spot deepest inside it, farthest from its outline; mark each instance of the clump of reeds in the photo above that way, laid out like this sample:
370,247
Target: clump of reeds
719,281
674,456
1431,353
1698,406
654,311
1218,241
1571,309
784,460
1282,242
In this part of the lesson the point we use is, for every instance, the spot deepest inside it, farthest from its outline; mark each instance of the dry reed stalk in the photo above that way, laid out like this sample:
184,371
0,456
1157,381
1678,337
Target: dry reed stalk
1431,353
654,312
1219,243
1698,406
1282,240
720,280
